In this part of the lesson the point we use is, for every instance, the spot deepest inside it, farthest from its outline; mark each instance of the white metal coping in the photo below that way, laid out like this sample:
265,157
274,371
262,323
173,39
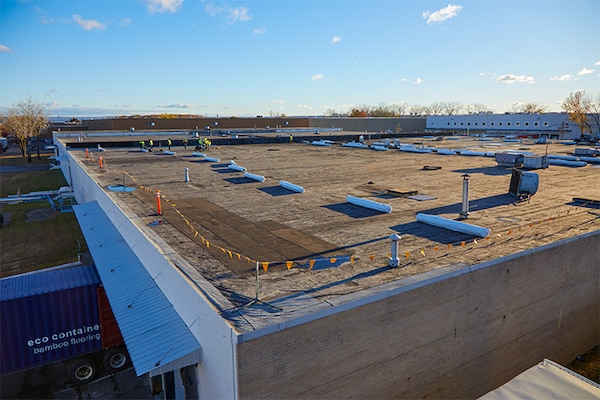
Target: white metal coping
156,337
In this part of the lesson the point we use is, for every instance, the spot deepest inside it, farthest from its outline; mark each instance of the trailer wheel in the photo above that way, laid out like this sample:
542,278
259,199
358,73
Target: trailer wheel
115,359
82,370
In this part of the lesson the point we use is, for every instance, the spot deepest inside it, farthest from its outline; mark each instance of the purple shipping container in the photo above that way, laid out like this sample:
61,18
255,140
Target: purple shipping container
48,316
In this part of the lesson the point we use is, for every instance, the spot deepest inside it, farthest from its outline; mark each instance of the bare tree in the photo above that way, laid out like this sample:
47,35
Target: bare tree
594,110
437,108
476,108
27,120
577,105
382,110
529,108
452,108
417,110
399,109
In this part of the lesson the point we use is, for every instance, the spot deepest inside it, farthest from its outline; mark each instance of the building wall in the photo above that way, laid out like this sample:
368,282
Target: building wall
216,374
191,124
556,125
405,125
454,336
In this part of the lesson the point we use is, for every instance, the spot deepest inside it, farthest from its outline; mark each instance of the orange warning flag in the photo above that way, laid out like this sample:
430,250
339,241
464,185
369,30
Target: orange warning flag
422,251
332,260
407,254
312,263
265,265
352,259
289,264
371,257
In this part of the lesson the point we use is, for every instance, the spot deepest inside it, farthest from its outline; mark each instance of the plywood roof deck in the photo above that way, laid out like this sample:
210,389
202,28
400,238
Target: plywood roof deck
240,220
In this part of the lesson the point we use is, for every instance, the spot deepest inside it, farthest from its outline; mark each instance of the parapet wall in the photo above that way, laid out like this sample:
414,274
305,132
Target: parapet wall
458,337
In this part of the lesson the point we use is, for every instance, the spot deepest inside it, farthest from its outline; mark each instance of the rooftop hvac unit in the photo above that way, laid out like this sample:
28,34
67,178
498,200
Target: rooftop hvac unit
523,184
509,159
535,162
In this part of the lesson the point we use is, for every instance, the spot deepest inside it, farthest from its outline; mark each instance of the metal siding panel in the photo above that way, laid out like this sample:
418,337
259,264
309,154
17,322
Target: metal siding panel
66,323
151,327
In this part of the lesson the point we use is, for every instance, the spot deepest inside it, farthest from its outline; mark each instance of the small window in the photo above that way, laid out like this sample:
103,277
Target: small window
468,123
546,123
518,124
535,124
462,123
455,124
483,123
491,123
508,123
448,123
526,123
500,123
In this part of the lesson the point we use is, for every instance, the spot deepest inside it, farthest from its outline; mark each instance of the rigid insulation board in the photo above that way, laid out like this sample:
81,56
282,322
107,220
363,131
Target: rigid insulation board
48,316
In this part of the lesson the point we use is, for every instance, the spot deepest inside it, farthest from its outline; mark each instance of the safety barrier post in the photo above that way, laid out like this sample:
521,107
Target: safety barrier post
158,209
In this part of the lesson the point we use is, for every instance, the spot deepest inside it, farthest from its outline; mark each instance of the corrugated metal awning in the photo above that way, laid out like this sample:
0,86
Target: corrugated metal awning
153,331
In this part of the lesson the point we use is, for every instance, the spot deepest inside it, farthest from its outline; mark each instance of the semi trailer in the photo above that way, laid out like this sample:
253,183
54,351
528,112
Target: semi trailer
59,314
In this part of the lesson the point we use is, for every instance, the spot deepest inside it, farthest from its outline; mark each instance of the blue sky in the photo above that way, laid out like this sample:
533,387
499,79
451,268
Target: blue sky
294,57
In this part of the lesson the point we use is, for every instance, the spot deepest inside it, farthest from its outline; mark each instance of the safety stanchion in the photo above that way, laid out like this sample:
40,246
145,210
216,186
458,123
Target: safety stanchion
158,208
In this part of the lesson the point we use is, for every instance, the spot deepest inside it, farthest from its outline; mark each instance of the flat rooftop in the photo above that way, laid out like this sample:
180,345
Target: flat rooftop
318,249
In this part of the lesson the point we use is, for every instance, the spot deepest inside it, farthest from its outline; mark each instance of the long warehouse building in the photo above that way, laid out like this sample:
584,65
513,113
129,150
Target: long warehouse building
304,270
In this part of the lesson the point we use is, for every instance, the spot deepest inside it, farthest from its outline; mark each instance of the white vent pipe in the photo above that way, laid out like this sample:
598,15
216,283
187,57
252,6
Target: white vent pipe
453,225
386,208
290,186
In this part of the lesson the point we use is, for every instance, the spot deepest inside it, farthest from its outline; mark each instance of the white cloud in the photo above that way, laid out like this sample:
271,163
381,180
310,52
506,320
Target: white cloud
585,71
442,14
509,79
4,49
259,31
125,22
336,39
88,24
317,77
304,107
418,81
597,64
178,105
565,77
163,6
278,101
231,14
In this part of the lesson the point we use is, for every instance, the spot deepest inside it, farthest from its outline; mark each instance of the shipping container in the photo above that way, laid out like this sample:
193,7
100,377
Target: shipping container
59,314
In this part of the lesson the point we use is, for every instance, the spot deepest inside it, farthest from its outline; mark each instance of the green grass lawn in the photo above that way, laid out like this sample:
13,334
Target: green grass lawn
33,235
